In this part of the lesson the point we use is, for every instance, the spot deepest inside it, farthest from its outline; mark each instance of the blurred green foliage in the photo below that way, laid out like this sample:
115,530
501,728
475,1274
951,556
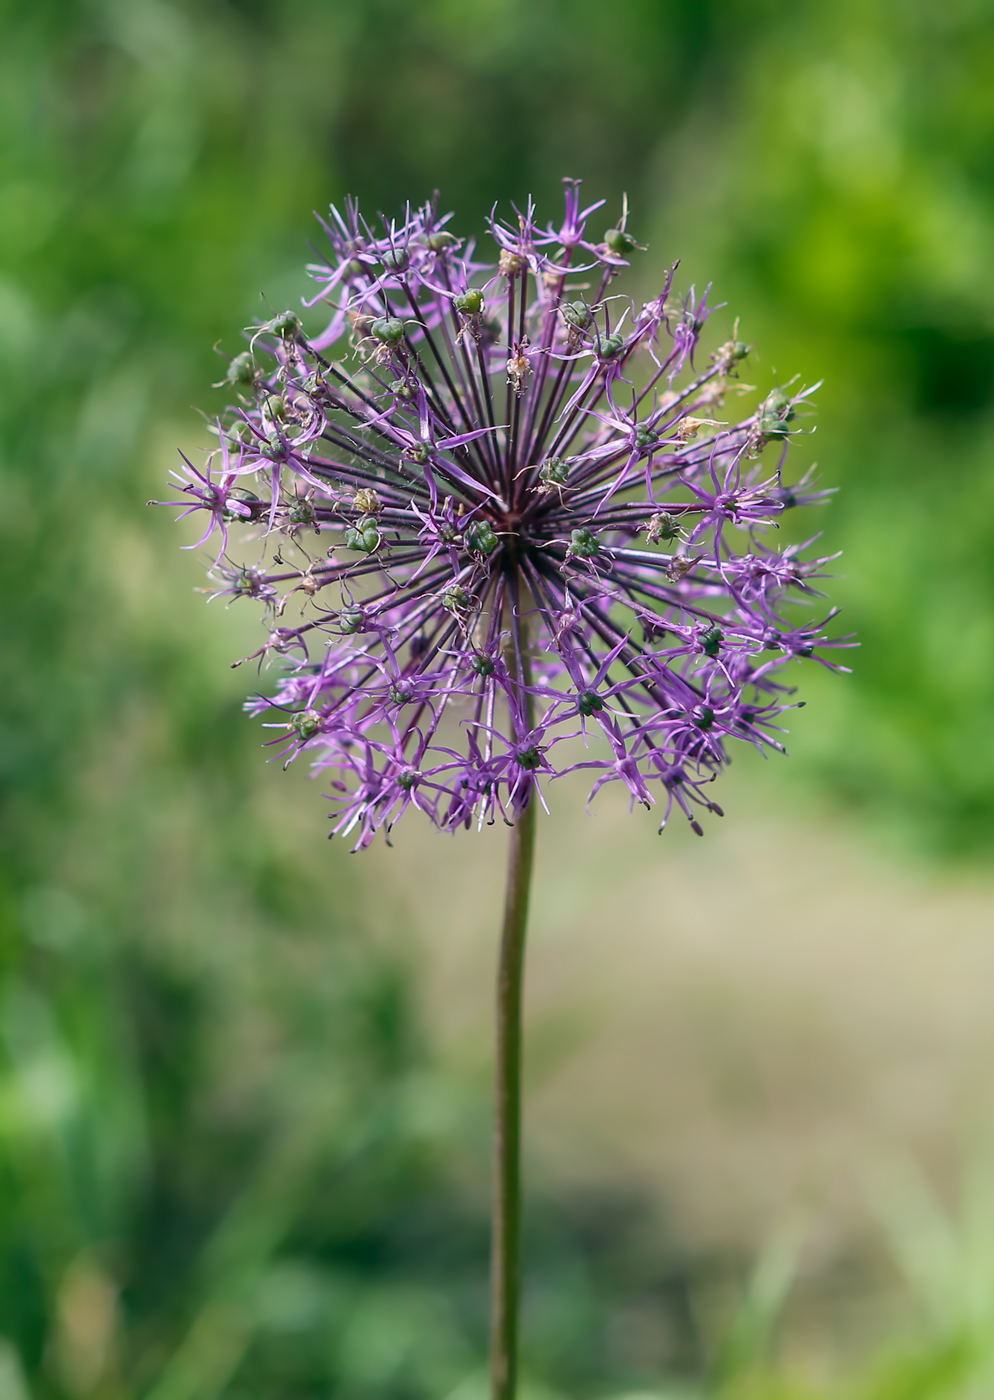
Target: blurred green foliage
227,1166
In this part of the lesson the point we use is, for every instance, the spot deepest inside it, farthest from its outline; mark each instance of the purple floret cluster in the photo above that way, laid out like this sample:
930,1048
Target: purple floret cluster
500,529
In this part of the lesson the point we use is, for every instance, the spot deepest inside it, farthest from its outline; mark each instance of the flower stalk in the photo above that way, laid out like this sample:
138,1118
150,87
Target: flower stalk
505,1283
505,1297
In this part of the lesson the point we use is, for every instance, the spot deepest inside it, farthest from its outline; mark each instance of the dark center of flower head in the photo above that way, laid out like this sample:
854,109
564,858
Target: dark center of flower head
530,513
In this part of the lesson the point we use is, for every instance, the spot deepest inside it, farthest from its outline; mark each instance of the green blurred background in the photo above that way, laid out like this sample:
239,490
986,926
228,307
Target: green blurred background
233,1160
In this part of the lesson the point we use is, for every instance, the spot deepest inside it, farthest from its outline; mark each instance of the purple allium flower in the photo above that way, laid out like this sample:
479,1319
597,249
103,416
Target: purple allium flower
490,510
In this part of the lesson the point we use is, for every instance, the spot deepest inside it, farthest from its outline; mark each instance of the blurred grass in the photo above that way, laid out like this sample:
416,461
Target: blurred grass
227,1164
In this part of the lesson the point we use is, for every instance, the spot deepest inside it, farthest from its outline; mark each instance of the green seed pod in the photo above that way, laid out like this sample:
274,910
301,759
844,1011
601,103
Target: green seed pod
439,242
365,538
352,620
776,402
530,758
409,779
482,665
584,543
388,329
306,723
771,426
301,512
248,583
243,369
577,314
286,325
480,537
662,526
619,241
588,702
239,433
455,598
401,692
275,406
704,719
610,346
396,260
776,413
554,471
469,303
645,437
711,641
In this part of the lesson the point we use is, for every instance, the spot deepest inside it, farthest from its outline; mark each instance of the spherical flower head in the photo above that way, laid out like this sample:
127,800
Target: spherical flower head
503,527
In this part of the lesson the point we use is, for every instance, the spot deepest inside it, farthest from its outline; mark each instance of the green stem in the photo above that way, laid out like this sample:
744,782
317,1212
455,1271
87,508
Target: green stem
506,1259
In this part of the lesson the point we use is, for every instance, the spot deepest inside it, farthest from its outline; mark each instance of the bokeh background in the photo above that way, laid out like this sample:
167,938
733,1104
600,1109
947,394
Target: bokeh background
243,1076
